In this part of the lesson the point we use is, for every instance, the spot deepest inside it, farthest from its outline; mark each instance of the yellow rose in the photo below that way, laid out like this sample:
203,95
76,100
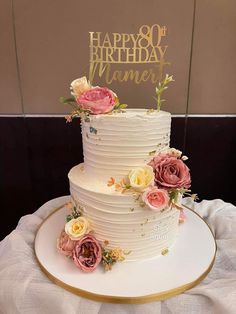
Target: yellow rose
77,227
142,177
79,86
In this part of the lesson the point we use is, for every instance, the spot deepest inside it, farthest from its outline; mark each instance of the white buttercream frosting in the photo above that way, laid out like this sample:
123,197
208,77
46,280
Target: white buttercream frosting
120,219
114,144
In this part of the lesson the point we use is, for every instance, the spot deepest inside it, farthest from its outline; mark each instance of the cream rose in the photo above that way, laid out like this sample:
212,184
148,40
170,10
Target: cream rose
77,227
142,177
79,86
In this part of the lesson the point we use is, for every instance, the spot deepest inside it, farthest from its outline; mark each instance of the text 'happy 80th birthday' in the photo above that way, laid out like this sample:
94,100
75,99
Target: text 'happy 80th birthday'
110,52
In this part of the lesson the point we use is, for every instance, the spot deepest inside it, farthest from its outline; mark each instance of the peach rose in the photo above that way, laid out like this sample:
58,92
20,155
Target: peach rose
87,253
170,172
156,199
98,100
79,86
65,245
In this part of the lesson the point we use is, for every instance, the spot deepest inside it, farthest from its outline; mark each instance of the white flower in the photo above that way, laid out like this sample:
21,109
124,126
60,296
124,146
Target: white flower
184,158
79,86
169,78
173,152
141,177
77,227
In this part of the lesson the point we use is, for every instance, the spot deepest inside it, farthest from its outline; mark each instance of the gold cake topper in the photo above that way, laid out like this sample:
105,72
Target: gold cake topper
110,53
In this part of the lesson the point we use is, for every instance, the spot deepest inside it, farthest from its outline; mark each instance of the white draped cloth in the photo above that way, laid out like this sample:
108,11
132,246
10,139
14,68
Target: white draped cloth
25,289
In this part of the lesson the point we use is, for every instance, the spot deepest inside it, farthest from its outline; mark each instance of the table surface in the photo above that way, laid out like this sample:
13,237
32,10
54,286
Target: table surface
25,289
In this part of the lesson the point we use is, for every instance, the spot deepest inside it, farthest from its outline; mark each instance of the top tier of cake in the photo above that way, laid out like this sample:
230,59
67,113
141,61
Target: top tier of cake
113,144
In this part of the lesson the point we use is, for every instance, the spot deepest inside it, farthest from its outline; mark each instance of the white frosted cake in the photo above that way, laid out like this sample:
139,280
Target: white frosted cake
113,145
126,196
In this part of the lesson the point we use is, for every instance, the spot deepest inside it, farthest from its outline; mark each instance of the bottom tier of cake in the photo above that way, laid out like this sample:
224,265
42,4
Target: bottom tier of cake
121,220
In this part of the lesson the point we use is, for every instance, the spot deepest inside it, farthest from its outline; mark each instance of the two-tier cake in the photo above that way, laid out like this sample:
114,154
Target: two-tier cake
127,194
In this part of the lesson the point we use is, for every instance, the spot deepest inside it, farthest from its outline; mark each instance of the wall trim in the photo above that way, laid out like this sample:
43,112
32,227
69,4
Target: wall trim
63,115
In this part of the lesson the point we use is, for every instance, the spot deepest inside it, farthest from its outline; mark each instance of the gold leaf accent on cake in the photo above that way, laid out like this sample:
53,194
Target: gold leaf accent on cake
127,252
152,153
82,168
150,111
164,252
136,196
69,205
142,204
106,242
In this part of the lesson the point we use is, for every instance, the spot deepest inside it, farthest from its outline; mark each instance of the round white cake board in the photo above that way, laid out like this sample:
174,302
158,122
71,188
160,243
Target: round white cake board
186,264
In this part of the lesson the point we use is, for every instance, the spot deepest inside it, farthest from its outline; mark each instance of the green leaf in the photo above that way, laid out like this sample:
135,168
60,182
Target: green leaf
116,107
65,100
119,106
123,106
68,218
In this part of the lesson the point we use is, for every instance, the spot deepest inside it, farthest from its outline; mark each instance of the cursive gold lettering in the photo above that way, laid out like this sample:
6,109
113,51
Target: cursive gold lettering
122,48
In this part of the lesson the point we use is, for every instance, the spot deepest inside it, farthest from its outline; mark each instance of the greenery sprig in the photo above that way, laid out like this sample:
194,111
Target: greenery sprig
77,111
74,214
160,89
175,193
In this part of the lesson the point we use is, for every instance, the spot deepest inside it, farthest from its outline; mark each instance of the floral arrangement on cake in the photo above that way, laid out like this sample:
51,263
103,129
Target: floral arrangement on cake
87,99
161,183
78,242
93,100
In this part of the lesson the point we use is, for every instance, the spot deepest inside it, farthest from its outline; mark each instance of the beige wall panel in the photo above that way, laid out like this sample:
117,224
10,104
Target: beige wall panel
9,89
213,78
53,48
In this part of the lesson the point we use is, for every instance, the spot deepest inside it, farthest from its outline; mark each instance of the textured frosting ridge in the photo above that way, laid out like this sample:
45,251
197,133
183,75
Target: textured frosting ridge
113,145
119,218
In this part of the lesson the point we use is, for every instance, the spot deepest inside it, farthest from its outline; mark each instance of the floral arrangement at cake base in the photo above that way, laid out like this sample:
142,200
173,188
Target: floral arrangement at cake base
78,242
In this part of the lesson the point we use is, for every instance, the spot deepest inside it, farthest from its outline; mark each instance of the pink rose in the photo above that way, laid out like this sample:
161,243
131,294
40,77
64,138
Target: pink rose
98,100
156,199
87,253
65,245
170,172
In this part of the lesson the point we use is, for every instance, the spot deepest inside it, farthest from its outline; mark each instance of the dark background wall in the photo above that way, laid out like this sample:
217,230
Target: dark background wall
45,45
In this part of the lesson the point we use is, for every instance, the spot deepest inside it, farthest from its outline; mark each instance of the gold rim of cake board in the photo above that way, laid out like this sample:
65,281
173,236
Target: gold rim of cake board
127,300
